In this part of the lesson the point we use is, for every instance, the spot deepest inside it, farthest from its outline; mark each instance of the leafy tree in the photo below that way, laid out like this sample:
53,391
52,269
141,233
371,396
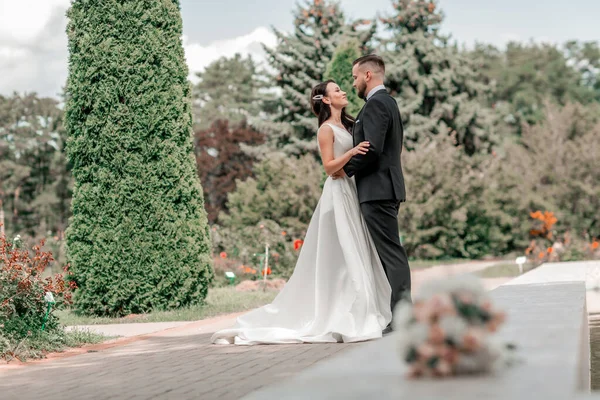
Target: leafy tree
447,214
221,162
555,163
34,175
526,75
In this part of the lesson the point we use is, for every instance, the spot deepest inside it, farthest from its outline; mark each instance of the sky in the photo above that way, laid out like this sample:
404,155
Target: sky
33,43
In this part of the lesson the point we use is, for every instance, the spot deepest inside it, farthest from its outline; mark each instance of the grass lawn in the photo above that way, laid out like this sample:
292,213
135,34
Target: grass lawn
420,264
36,346
219,301
226,300
502,271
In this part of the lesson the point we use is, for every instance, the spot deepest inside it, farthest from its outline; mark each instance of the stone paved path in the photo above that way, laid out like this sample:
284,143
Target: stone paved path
163,367
179,363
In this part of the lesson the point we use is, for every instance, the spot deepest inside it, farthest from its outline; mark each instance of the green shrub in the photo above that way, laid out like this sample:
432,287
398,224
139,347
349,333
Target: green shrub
138,239
23,290
471,207
450,210
275,207
28,327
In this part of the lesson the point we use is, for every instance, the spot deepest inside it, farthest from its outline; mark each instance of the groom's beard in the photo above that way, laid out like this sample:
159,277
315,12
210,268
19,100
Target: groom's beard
362,92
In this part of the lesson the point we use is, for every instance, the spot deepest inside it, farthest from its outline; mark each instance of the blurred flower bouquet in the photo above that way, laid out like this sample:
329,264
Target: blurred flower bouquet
448,330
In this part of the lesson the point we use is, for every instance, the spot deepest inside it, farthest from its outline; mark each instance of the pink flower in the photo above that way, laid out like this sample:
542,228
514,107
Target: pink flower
472,339
443,368
426,351
487,306
466,298
500,316
497,320
449,354
415,370
423,312
442,304
436,334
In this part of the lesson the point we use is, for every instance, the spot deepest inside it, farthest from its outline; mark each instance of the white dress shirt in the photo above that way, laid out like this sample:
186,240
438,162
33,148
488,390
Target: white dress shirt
372,91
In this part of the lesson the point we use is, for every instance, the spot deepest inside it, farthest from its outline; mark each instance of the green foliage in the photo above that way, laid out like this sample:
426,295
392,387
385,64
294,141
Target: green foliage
220,300
340,70
556,162
300,60
526,75
462,206
447,213
284,190
585,58
38,344
221,161
23,307
229,89
138,239
435,85
281,198
35,182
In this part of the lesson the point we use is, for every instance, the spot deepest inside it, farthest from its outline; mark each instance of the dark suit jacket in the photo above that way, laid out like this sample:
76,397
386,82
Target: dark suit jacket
378,173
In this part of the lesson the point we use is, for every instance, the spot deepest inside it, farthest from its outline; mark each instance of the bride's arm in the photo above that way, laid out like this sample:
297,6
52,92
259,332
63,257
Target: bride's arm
331,164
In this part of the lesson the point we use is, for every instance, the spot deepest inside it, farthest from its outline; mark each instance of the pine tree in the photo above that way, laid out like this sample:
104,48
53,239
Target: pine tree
300,61
340,70
229,89
138,239
436,86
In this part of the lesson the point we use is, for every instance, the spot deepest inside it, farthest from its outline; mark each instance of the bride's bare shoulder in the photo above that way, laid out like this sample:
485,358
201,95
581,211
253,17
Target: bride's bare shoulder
325,132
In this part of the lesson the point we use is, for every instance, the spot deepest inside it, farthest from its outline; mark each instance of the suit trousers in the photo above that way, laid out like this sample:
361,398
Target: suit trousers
382,221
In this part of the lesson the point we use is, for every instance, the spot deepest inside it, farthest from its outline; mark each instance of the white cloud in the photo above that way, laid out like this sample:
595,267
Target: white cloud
34,56
21,21
33,46
198,57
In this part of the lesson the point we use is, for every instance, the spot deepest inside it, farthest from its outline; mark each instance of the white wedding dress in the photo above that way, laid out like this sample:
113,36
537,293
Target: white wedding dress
338,291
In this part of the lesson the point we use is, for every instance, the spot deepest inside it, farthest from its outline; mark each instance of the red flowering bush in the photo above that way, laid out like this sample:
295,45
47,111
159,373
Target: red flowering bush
546,245
23,289
246,246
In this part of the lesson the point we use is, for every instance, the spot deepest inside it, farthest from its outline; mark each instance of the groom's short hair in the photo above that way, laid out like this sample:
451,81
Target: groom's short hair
375,62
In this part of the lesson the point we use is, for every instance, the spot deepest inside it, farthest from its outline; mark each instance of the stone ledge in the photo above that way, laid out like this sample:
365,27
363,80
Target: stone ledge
575,271
547,321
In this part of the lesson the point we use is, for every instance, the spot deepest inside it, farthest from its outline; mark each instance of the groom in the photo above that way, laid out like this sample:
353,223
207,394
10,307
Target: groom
378,173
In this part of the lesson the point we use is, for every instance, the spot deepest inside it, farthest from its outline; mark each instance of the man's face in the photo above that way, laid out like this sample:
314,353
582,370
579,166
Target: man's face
360,81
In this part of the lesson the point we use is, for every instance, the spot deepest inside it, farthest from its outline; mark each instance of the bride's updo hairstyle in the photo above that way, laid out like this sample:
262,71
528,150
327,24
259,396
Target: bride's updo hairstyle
323,110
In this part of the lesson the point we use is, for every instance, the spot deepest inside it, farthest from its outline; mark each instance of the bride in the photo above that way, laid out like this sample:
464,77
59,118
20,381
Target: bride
338,291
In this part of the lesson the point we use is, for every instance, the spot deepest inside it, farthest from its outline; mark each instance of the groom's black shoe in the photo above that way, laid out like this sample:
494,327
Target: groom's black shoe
388,329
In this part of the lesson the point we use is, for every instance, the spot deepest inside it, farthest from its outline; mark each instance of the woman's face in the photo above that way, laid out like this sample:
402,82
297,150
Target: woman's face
336,97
